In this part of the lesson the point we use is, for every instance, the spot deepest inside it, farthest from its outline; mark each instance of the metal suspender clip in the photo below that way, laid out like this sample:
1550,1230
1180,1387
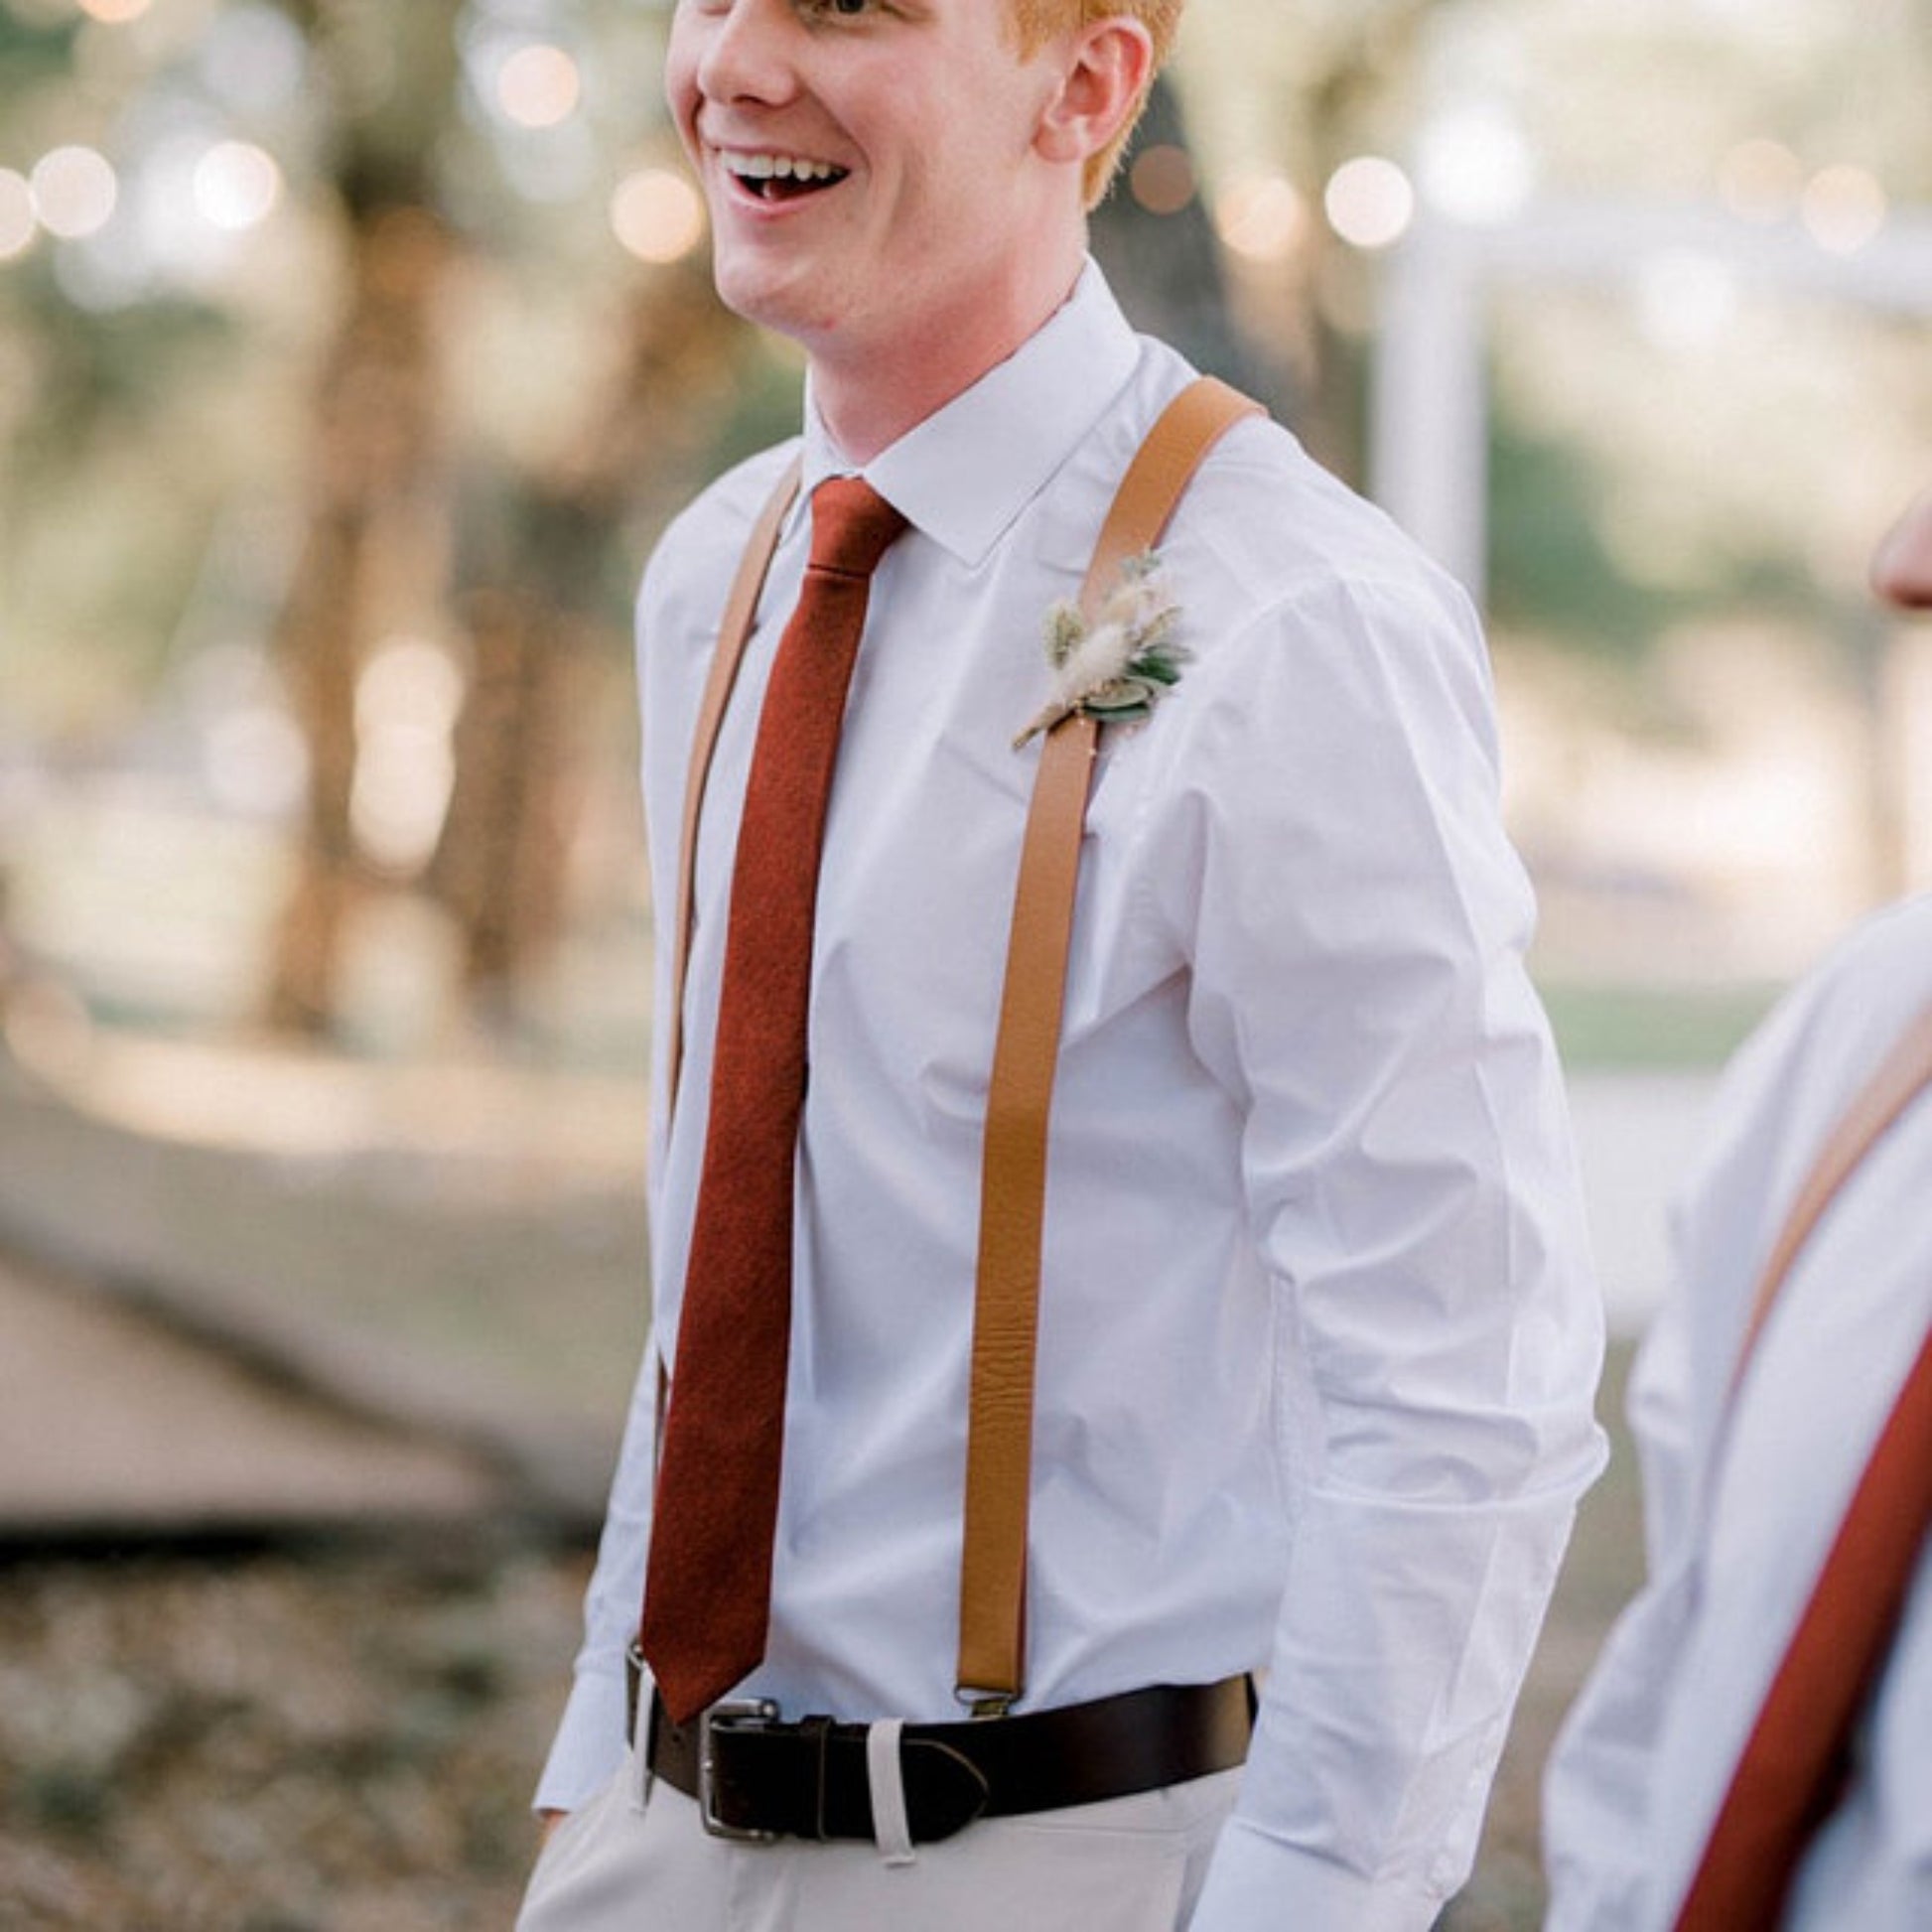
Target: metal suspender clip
985,1703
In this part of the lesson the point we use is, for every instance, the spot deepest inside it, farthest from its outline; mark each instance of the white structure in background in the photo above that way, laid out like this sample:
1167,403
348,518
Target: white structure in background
1685,263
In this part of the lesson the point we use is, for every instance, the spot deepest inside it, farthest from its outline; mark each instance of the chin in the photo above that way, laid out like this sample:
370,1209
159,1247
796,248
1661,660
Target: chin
783,305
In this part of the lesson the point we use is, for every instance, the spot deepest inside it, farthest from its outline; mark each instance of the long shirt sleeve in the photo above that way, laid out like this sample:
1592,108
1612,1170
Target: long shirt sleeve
1404,1168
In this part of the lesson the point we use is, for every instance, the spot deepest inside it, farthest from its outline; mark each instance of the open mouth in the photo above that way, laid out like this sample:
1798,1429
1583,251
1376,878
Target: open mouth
783,176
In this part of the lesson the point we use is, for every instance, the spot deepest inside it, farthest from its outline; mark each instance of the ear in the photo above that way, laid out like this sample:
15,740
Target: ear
1105,69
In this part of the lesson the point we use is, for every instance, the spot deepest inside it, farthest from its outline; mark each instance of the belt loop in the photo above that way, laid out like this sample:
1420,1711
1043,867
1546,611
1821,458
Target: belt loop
891,1830
645,1746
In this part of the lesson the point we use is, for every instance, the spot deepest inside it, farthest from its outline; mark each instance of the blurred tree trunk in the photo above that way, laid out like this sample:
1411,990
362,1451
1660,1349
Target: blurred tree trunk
536,594
374,443
375,425
1363,65
501,862
1165,260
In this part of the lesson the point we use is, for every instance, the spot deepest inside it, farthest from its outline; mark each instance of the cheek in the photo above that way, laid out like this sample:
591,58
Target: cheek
681,84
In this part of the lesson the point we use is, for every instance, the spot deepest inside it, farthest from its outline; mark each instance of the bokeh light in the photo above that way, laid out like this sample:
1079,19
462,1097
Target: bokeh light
1687,301
255,762
252,56
1475,165
406,704
236,186
114,12
1370,201
657,214
1261,218
17,219
74,192
1843,209
1163,180
539,86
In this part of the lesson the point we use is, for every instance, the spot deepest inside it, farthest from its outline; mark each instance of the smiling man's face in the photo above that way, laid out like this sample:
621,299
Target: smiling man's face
870,166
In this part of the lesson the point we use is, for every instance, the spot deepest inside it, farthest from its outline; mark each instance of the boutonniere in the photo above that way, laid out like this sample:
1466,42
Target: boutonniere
1117,669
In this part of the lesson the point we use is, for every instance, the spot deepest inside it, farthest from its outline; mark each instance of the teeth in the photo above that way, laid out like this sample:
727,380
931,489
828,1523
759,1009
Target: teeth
780,167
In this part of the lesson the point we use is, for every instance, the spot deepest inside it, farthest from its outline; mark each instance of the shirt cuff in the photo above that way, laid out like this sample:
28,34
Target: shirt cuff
1257,1883
589,1742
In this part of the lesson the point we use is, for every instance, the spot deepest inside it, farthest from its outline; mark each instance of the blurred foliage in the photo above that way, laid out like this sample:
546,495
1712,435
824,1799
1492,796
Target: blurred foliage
1550,569
102,373
1676,1027
33,51
1551,573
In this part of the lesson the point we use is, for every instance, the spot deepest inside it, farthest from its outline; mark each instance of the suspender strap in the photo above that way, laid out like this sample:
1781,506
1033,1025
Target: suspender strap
734,631
1891,1091
1012,1186
1789,1773
741,608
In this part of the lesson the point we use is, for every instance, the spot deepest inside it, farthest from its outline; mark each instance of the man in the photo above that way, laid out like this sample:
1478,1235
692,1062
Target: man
1752,1453
1317,1339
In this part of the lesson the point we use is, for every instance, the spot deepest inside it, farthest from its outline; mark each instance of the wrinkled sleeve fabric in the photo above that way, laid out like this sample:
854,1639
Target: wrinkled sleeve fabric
1330,862
1599,1783
590,1742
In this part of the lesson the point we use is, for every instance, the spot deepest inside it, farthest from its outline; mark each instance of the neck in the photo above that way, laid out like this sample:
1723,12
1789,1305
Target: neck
870,394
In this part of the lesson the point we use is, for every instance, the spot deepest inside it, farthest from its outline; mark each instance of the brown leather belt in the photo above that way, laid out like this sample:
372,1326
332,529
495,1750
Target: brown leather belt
758,1777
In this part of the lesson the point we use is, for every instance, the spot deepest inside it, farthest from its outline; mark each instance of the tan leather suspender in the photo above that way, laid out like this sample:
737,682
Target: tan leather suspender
1786,1777
1026,1050
1890,1092
734,631
1013,1178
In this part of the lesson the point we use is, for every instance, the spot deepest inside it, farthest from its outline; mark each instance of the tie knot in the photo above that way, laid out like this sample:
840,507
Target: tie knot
852,526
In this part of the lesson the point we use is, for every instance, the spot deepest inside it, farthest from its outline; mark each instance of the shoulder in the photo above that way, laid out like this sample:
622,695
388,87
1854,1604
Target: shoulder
1300,598
1881,972
1276,550
1286,526
1833,1030
1793,1079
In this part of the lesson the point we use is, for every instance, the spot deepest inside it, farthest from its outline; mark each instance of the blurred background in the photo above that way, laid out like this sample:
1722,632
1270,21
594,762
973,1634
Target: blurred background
352,355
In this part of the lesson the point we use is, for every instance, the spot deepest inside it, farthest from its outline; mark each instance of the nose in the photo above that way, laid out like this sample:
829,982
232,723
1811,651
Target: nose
1902,571
747,54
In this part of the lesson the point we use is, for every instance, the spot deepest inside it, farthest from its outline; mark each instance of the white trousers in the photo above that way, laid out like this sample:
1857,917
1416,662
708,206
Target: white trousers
633,1860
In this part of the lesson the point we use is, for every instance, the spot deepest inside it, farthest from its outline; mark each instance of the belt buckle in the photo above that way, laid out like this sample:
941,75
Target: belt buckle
733,1715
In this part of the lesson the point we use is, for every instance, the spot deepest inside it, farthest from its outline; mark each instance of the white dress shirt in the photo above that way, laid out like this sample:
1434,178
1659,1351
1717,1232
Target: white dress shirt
1317,1338
1739,1519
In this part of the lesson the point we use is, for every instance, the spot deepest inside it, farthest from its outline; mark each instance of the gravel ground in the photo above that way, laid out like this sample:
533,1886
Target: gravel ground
324,1741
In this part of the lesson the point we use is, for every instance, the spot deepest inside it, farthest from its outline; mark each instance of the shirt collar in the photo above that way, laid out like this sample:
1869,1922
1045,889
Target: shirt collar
966,473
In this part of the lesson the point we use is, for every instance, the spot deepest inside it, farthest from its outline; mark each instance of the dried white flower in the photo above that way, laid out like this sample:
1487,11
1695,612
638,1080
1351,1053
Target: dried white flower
1116,668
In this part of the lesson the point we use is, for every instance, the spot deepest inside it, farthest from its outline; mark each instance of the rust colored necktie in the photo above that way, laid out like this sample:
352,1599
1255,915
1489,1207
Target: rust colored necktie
708,1587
